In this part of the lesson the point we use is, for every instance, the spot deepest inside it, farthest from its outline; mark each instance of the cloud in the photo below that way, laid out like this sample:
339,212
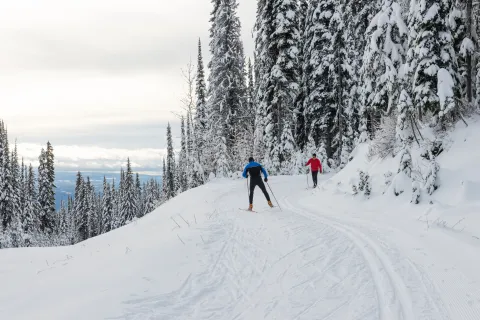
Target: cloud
107,35
126,135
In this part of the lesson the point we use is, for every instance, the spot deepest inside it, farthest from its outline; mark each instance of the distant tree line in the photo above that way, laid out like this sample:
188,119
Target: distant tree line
27,202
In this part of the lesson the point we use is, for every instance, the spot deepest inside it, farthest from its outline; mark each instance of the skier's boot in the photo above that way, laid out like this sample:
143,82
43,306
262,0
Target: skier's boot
250,207
270,204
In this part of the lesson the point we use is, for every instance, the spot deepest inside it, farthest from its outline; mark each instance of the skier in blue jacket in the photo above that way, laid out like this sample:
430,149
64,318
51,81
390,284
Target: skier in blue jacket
253,169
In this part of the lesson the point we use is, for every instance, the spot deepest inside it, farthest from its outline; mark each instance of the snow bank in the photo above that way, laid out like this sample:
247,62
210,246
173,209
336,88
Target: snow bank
100,277
455,203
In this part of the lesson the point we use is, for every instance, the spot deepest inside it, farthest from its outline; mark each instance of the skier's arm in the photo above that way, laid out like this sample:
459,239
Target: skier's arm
244,174
264,173
309,161
321,170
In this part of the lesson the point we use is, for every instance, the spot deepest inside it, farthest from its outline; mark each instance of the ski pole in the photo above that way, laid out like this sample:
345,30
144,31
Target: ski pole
274,196
308,185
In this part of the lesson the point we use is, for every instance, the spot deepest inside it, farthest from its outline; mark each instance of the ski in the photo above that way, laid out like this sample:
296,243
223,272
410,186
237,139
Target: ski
247,210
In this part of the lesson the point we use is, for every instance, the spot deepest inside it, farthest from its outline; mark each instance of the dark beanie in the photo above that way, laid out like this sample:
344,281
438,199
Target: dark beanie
250,159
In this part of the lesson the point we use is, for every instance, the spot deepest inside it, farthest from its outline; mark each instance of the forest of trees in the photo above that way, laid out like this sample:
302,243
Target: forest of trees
327,75
27,202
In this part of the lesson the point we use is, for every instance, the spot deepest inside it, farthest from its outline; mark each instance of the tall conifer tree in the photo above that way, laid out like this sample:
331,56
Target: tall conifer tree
226,92
129,197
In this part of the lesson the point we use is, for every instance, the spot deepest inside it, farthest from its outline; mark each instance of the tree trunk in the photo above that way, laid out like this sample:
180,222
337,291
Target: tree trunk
469,54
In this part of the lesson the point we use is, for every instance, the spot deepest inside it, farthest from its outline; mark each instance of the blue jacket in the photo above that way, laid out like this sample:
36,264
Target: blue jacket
253,164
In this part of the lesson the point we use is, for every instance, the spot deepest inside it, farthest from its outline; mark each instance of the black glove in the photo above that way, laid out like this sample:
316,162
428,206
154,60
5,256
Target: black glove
266,180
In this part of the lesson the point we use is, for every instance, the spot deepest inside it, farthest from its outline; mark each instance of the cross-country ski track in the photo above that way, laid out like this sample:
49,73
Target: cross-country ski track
323,256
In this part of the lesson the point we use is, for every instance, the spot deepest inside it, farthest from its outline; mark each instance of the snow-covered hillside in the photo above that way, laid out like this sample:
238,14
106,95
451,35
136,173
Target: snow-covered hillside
326,255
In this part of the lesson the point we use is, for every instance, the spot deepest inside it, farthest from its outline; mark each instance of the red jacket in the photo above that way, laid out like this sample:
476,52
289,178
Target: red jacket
316,165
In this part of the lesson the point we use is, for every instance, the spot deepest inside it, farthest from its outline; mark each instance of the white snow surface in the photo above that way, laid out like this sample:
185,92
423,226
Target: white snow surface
326,255
445,87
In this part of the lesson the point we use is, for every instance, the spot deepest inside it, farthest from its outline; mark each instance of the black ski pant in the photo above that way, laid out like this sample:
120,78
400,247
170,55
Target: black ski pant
257,181
314,177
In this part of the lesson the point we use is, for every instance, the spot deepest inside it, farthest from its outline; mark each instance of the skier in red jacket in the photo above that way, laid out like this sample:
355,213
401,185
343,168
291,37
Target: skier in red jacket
316,166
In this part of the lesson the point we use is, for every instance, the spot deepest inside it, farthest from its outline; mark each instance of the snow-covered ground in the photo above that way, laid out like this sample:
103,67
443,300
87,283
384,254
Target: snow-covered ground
326,255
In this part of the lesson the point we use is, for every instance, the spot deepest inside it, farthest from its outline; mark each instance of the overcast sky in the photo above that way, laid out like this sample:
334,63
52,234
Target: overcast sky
100,79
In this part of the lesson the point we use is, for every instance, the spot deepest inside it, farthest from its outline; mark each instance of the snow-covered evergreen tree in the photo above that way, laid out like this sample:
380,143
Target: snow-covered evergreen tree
431,58
139,196
15,201
80,212
358,16
319,108
250,98
129,197
329,104
196,174
62,229
6,187
462,44
115,207
170,182
384,56
263,64
189,140
30,221
107,207
404,131
164,181
342,78
22,185
300,129
182,159
89,205
246,132
226,91
149,197
281,83
200,127
3,154
46,190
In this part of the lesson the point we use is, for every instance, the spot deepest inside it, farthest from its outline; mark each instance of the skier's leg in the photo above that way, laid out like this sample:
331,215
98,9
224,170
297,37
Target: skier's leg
252,188
315,176
261,185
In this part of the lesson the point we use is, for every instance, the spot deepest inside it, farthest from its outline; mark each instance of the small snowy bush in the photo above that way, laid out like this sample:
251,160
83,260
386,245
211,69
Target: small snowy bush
431,183
368,186
364,185
388,177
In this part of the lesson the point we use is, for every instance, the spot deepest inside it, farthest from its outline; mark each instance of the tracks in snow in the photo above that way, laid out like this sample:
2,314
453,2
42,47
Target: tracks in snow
393,299
294,265
404,291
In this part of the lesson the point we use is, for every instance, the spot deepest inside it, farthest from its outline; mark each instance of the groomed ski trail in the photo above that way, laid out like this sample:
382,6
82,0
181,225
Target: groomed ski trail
300,264
201,257
393,295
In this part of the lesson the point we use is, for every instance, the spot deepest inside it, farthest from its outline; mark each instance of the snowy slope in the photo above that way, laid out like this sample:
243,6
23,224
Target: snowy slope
327,255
